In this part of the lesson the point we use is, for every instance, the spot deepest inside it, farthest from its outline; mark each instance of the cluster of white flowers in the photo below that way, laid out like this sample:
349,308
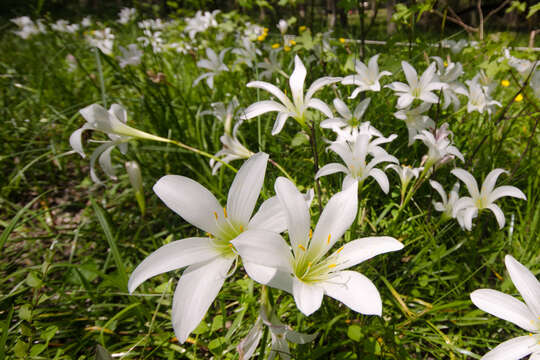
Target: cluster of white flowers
200,22
126,15
27,27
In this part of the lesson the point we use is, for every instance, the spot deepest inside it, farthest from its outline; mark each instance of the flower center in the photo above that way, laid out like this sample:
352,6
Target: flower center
227,230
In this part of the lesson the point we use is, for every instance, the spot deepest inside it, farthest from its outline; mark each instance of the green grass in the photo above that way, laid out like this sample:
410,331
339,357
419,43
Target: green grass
68,245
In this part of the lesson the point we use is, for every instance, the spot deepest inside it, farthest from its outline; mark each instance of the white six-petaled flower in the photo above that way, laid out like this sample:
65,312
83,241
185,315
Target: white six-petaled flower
415,120
208,259
526,314
296,108
366,77
213,64
485,198
304,269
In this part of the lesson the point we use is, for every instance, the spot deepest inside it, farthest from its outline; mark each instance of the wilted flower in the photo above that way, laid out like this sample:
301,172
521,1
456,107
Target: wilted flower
303,269
366,77
208,259
130,56
415,120
420,89
485,198
298,107
525,315
214,64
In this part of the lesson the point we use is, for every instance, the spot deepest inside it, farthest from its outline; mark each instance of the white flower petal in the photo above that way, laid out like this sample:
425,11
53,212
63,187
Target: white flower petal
361,108
404,100
269,276
119,112
272,89
280,122
398,87
349,181
262,107
75,140
468,180
526,283
308,297
513,349
246,187
463,203
490,180
342,109
499,215
504,307
438,187
320,105
195,292
331,169
360,250
246,348
506,190
381,179
468,215
106,163
270,216
410,74
296,81
189,199
319,83
264,248
172,256
355,291
296,210
337,216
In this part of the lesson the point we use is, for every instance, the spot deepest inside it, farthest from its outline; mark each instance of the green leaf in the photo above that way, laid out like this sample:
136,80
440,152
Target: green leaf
299,139
20,349
33,280
354,332
533,9
25,312
37,349
102,353
217,323
49,333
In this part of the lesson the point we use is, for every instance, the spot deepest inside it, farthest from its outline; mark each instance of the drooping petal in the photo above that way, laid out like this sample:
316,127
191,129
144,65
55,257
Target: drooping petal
355,291
320,105
270,216
296,81
438,187
360,250
246,348
499,215
280,122
172,256
308,297
337,216
262,107
264,248
319,83
505,307
296,210
526,283
75,140
95,155
506,190
468,215
196,290
246,187
272,89
331,169
119,112
468,180
381,179
404,100
106,163
349,181
463,203
513,349
189,199
269,276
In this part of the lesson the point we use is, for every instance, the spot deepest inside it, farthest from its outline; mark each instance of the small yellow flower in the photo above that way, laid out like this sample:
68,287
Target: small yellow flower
519,98
292,42
265,30
505,83
342,40
261,37
302,28
445,63
286,48
275,46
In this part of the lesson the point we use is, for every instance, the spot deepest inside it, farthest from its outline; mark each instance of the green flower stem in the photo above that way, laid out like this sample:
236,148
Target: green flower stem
313,142
280,168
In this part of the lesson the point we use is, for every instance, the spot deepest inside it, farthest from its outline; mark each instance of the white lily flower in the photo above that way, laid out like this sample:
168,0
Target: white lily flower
27,27
526,314
485,198
484,81
201,22
113,123
152,38
448,72
522,66
214,64
271,65
282,26
208,259
366,77
455,46
280,334
130,56
348,121
479,99
415,120
354,155
152,24
405,174
64,26
303,268
296,108
86,22
247,54
102,39
448,202
420,89
440,148
126,15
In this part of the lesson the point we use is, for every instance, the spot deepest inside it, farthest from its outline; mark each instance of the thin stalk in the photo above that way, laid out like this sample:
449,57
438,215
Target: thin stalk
313,142
280,168
101,81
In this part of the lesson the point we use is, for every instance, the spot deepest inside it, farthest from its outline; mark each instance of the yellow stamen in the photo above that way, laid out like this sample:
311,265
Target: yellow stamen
225,212
332,266
339,250
230,245
445,64
302,247
215,214
241,228
310,233
328,240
